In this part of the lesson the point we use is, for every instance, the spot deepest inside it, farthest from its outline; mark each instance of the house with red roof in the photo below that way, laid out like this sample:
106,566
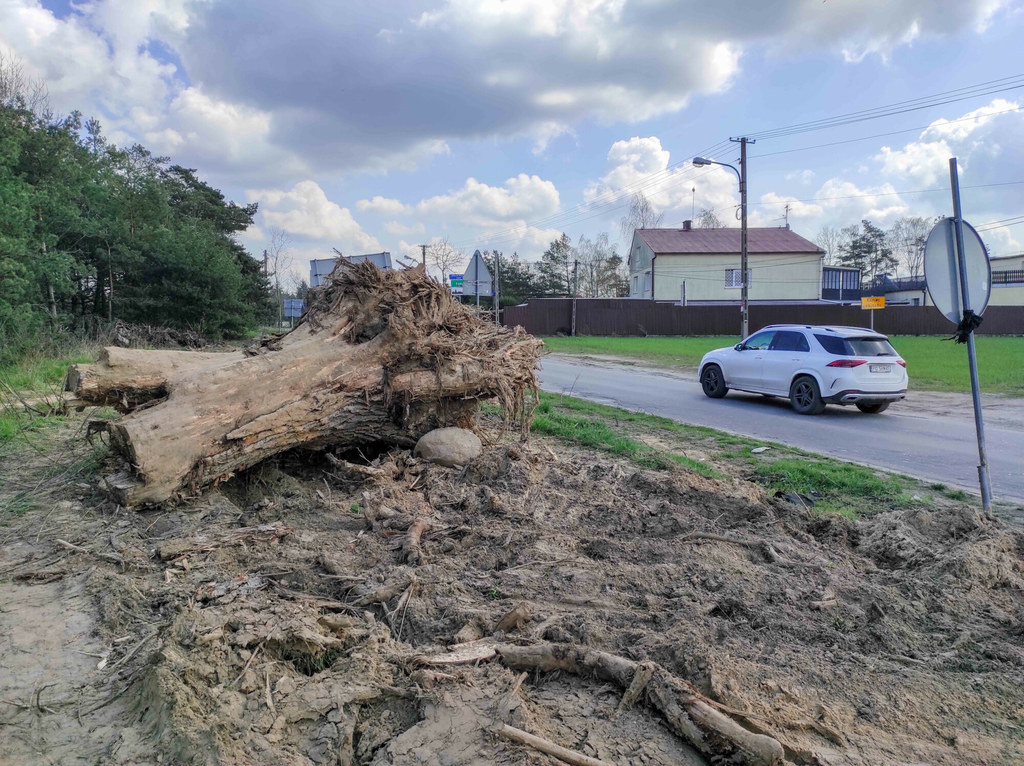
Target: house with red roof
702,267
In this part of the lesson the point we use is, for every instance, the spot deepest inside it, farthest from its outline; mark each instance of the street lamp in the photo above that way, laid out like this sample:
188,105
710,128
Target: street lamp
741,174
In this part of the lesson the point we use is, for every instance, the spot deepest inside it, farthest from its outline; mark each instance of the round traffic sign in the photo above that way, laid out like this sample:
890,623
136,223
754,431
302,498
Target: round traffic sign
941,274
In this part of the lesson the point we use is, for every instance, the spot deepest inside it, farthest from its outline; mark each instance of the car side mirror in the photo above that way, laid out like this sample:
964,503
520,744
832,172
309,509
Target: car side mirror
739,347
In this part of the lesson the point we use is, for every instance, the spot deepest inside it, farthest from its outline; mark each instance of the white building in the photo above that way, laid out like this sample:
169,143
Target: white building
702,266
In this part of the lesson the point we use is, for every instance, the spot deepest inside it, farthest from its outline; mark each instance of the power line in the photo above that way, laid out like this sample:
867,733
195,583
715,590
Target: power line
613,198
881,135
881,194
989,87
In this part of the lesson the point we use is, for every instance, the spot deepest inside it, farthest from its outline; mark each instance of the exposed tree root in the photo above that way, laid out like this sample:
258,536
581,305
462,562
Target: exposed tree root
685,709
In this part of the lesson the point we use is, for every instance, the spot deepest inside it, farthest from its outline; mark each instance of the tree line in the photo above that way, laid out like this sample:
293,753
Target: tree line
91,232
586,268
876,251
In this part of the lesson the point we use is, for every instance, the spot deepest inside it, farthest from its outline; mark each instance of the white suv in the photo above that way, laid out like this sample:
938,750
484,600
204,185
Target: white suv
812,366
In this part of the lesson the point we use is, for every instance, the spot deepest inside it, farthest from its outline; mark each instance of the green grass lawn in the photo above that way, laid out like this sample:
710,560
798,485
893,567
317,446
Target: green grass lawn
933,364
31,377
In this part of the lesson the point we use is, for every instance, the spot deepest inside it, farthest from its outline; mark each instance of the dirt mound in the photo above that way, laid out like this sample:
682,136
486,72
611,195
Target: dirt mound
305,612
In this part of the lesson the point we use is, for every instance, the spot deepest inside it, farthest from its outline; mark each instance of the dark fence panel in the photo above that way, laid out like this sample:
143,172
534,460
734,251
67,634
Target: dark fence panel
619,316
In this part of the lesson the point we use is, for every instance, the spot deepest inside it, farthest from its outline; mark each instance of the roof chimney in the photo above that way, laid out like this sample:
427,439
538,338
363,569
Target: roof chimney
687,225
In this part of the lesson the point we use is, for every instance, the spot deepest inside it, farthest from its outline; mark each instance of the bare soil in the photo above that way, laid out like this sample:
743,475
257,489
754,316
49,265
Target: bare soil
287,617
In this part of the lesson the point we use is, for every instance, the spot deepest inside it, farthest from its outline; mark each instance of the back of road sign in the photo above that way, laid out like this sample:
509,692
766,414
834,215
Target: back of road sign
477,278
940,270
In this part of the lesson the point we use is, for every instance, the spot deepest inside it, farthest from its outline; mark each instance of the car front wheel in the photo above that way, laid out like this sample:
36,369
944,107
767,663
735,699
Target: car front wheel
873,408
713,382
805,396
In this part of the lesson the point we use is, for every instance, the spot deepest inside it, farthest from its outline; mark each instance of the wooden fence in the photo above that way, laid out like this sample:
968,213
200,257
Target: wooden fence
620,316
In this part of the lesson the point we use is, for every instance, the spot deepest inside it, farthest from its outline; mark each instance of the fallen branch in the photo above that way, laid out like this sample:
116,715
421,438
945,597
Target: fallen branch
411,551
364,471
642,677
175,549
112,558
133,652
461,654
547,746
686,710
762,545
519,614
383,594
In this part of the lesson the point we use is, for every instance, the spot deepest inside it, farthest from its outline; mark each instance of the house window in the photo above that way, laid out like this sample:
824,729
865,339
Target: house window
915,301
647,281
636,281
733,279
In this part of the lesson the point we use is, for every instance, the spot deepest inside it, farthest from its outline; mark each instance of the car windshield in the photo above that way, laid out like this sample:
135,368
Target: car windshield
866,346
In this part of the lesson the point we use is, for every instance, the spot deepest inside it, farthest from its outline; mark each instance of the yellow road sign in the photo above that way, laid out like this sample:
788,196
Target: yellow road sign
875,302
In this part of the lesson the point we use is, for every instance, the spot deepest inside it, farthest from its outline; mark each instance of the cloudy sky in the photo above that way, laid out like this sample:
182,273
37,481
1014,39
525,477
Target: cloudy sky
502,123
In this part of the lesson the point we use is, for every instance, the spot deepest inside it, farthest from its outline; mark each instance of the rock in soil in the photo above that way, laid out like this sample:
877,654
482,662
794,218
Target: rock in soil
449,446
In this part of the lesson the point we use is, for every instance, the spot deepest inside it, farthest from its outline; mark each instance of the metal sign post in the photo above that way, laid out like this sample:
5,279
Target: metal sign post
872,303
957,269
972,358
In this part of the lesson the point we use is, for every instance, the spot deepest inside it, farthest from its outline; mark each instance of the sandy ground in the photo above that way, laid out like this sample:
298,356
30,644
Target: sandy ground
286,617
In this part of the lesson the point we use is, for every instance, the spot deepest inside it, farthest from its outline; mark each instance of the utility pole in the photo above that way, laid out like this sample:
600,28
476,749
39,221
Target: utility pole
575,292
744,316
424,249
497,286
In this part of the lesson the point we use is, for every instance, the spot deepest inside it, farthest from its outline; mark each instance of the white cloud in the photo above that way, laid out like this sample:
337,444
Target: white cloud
382,205
477,204
836,203
803,176
305,211
341,90
980,136
642,164
400,229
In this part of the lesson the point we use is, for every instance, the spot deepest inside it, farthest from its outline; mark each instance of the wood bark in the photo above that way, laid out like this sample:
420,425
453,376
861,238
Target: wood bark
379,357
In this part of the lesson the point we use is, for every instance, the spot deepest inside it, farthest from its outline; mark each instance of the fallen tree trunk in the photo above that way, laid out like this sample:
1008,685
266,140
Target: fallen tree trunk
379,357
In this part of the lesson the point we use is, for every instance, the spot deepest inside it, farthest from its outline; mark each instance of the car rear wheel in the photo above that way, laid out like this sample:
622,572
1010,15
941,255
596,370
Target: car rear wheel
805,396
713,382
873,408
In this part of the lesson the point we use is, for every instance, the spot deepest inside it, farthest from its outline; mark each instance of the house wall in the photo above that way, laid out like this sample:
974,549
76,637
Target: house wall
908,297
774,276
1002,295
640,255
1008,264
1007,295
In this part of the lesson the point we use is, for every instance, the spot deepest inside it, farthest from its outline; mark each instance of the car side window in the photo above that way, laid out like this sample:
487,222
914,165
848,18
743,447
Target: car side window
761,341
788,340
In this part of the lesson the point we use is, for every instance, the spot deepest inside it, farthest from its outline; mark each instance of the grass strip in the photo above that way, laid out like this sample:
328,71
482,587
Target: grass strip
933,365
828,477
598,434
834,486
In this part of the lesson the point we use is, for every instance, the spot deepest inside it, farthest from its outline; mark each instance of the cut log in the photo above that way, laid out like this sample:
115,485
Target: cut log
379,357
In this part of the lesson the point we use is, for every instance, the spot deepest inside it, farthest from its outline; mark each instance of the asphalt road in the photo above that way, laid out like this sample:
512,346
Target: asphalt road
935,448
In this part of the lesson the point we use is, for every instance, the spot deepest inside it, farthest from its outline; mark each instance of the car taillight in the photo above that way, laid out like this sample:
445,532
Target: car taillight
847,363
901,363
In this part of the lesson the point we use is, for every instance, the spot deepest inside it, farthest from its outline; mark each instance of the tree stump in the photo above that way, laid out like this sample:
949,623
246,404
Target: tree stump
380,356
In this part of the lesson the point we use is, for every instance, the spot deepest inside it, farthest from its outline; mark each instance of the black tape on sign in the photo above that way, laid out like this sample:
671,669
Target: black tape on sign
967,325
